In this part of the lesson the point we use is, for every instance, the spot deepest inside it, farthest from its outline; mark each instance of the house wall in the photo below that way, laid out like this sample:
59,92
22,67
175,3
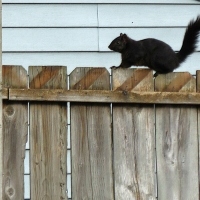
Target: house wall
77,34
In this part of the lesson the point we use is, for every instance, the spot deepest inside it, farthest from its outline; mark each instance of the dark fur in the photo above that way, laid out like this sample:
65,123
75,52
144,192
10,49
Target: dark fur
154,53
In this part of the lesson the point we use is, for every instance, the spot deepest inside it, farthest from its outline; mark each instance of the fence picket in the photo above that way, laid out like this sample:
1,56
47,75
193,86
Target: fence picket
15,127
133,133
91,139
48,142
176,141
198,117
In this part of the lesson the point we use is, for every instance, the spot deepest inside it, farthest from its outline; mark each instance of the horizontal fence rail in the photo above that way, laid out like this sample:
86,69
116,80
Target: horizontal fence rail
103,96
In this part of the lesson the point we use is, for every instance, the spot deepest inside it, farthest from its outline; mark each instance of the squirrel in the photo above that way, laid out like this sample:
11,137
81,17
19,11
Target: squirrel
156,54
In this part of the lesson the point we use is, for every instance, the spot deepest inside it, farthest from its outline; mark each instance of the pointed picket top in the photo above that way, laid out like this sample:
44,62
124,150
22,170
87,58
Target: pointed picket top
14,76
86,78
175,82
134,79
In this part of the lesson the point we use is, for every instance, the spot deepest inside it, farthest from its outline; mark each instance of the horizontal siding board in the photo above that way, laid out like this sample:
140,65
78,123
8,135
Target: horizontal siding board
83,39
171,36
49,15
103,1
49,39
82,59
152,15
85,15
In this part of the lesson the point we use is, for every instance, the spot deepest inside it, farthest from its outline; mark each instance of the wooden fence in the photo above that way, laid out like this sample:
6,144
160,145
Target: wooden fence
143,146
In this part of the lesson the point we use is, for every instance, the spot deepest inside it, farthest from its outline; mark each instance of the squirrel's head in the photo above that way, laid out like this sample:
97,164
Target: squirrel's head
119,43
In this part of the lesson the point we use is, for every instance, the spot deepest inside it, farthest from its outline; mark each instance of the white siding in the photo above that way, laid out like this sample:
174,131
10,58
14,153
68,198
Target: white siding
76,33
50,39
146,16
85,15
104,1
81,39
27,186
26,166
52,15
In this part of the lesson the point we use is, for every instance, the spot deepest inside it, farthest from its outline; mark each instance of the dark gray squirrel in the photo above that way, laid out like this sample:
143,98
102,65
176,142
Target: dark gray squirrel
156,54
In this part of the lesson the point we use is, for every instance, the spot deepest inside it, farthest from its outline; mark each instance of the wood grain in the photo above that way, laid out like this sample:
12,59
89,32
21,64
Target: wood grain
15,128
198,80
198,120
1,107
48,141
103,96
133,133
91,139
176,141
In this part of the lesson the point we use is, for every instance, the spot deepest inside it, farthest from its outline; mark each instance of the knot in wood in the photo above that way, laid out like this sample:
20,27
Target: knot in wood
9,110
10,191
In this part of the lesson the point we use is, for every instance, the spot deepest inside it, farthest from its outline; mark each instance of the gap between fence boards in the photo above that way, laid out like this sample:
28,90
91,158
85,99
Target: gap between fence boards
101,96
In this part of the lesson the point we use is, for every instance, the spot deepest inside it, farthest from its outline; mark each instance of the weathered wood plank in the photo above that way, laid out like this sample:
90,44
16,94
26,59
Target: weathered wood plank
1,107
102,96
134,143
4,93
198,80
176,141
91,139
15,128
198,121
48,130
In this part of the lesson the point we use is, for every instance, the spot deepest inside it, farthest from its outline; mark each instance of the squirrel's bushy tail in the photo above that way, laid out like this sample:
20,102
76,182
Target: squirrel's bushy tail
190,39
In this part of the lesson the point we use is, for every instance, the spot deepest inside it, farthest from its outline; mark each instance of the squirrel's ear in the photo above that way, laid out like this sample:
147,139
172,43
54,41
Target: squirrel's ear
121,34
124,36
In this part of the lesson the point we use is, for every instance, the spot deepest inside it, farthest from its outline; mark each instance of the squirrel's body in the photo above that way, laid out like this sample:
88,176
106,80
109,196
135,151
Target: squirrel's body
154,53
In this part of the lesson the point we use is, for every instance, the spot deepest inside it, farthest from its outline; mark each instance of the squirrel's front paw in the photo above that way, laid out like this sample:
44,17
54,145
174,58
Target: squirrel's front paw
113,67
